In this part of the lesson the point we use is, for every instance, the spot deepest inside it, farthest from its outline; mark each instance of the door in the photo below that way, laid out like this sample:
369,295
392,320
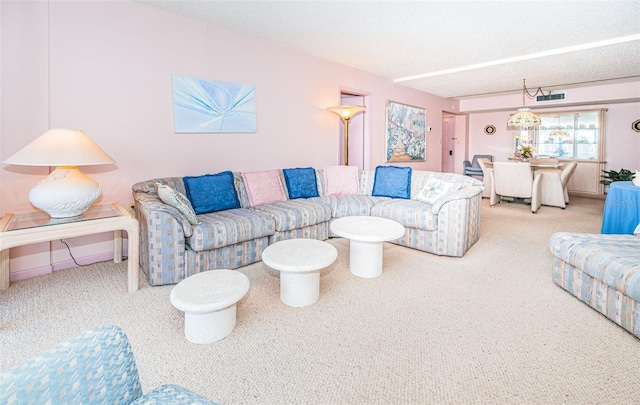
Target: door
448,143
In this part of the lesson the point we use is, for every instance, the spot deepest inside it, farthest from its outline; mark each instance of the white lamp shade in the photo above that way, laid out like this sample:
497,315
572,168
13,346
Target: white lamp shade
61,147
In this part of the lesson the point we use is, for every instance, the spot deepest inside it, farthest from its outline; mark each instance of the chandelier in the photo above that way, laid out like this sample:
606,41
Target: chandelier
524,118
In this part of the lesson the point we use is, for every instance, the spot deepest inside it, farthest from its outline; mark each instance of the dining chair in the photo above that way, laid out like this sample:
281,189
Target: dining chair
487,167
553,185
517,180
544,161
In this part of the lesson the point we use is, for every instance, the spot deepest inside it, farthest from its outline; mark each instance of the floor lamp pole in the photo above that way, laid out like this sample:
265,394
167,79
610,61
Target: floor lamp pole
346,112
346,141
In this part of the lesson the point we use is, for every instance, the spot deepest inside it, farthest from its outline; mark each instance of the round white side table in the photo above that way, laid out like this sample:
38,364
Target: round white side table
366,235
209,300
299,262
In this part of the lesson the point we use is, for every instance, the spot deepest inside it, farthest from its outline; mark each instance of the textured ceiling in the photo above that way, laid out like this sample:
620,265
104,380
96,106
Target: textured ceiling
399,39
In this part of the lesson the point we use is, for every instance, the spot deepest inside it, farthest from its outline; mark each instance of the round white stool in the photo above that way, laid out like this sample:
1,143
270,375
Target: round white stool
208,300
299,262
366,236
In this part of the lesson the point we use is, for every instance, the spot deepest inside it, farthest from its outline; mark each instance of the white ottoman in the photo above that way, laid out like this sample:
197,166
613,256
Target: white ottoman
366,236
299,262
208,300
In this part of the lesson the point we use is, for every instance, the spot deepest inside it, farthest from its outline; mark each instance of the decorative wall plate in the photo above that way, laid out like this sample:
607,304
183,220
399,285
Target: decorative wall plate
489,130
635,125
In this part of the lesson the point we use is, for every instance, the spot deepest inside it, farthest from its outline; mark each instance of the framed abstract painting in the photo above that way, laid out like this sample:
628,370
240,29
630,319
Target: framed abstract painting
207,106
406,132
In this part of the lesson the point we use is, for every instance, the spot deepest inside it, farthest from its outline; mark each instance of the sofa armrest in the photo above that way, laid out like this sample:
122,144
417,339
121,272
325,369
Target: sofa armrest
458,221
461,194
466,164
163,233
150,202
96,366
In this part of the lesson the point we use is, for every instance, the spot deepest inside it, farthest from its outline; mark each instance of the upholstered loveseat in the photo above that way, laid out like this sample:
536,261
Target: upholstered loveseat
237,215
603,271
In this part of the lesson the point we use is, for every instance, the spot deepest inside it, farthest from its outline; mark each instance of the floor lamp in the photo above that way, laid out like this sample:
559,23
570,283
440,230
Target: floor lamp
346,112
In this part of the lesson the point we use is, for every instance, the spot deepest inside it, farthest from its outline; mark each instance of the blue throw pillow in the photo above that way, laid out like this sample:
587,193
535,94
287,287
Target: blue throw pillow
392,181
211,192
301,182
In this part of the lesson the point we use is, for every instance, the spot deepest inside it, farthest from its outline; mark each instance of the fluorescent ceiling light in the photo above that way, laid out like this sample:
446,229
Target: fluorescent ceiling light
558,51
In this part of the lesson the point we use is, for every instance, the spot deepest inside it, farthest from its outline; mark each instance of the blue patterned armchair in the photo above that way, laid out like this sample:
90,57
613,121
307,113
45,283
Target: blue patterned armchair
95,367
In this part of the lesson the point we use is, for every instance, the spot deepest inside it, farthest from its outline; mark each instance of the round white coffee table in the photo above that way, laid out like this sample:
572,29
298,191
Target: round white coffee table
366,235
208,300
299,262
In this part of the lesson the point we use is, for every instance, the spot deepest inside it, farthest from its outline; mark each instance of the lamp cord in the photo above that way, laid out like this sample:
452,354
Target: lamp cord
74,259
71,254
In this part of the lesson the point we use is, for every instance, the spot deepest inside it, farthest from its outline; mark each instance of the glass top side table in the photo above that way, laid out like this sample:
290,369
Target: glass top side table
27,227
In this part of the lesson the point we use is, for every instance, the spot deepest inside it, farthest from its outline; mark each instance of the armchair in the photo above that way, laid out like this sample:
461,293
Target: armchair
515,179
473,168
97,366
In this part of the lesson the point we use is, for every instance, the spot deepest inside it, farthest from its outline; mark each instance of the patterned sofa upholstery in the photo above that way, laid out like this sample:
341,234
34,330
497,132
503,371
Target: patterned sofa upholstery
172,249
603,271
95,367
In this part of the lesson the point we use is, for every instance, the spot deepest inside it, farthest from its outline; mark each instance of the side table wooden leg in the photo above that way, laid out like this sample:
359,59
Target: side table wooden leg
117,246
4,269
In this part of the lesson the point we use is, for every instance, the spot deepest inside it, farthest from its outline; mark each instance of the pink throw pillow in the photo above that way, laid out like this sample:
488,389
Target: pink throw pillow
264,187
341,180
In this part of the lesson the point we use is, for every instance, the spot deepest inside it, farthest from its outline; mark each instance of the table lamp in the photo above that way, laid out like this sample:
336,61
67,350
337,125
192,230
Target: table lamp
66,192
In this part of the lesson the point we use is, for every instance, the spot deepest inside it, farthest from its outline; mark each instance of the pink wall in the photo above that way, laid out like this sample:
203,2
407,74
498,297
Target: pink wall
105,67
622,148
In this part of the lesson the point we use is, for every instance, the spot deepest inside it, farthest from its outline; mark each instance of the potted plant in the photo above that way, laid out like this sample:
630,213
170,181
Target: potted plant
610,176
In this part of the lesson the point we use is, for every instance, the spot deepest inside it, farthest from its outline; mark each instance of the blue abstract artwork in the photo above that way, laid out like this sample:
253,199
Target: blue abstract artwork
206,106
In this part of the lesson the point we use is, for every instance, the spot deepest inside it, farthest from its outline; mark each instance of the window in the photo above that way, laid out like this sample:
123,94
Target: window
566,135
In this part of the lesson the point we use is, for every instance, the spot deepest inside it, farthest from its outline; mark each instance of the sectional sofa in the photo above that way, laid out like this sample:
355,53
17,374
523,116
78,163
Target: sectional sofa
603,271
225,220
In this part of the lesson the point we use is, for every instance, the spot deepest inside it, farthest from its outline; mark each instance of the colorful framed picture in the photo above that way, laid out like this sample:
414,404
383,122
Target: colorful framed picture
207,106
406,132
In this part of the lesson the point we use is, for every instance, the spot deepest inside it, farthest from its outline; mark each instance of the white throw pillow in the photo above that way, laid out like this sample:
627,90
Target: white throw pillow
177,200
435,189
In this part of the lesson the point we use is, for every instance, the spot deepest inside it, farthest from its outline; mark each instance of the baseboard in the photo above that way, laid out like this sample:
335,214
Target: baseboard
66,264
29,273
82,261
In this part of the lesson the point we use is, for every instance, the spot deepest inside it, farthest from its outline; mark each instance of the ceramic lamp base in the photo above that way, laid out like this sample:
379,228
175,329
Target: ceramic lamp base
65,193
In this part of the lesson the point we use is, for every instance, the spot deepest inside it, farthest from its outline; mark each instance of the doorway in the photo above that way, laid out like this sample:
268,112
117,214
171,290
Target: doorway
448,143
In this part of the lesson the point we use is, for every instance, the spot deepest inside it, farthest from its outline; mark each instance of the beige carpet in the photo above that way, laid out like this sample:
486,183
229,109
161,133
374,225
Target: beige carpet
488,328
